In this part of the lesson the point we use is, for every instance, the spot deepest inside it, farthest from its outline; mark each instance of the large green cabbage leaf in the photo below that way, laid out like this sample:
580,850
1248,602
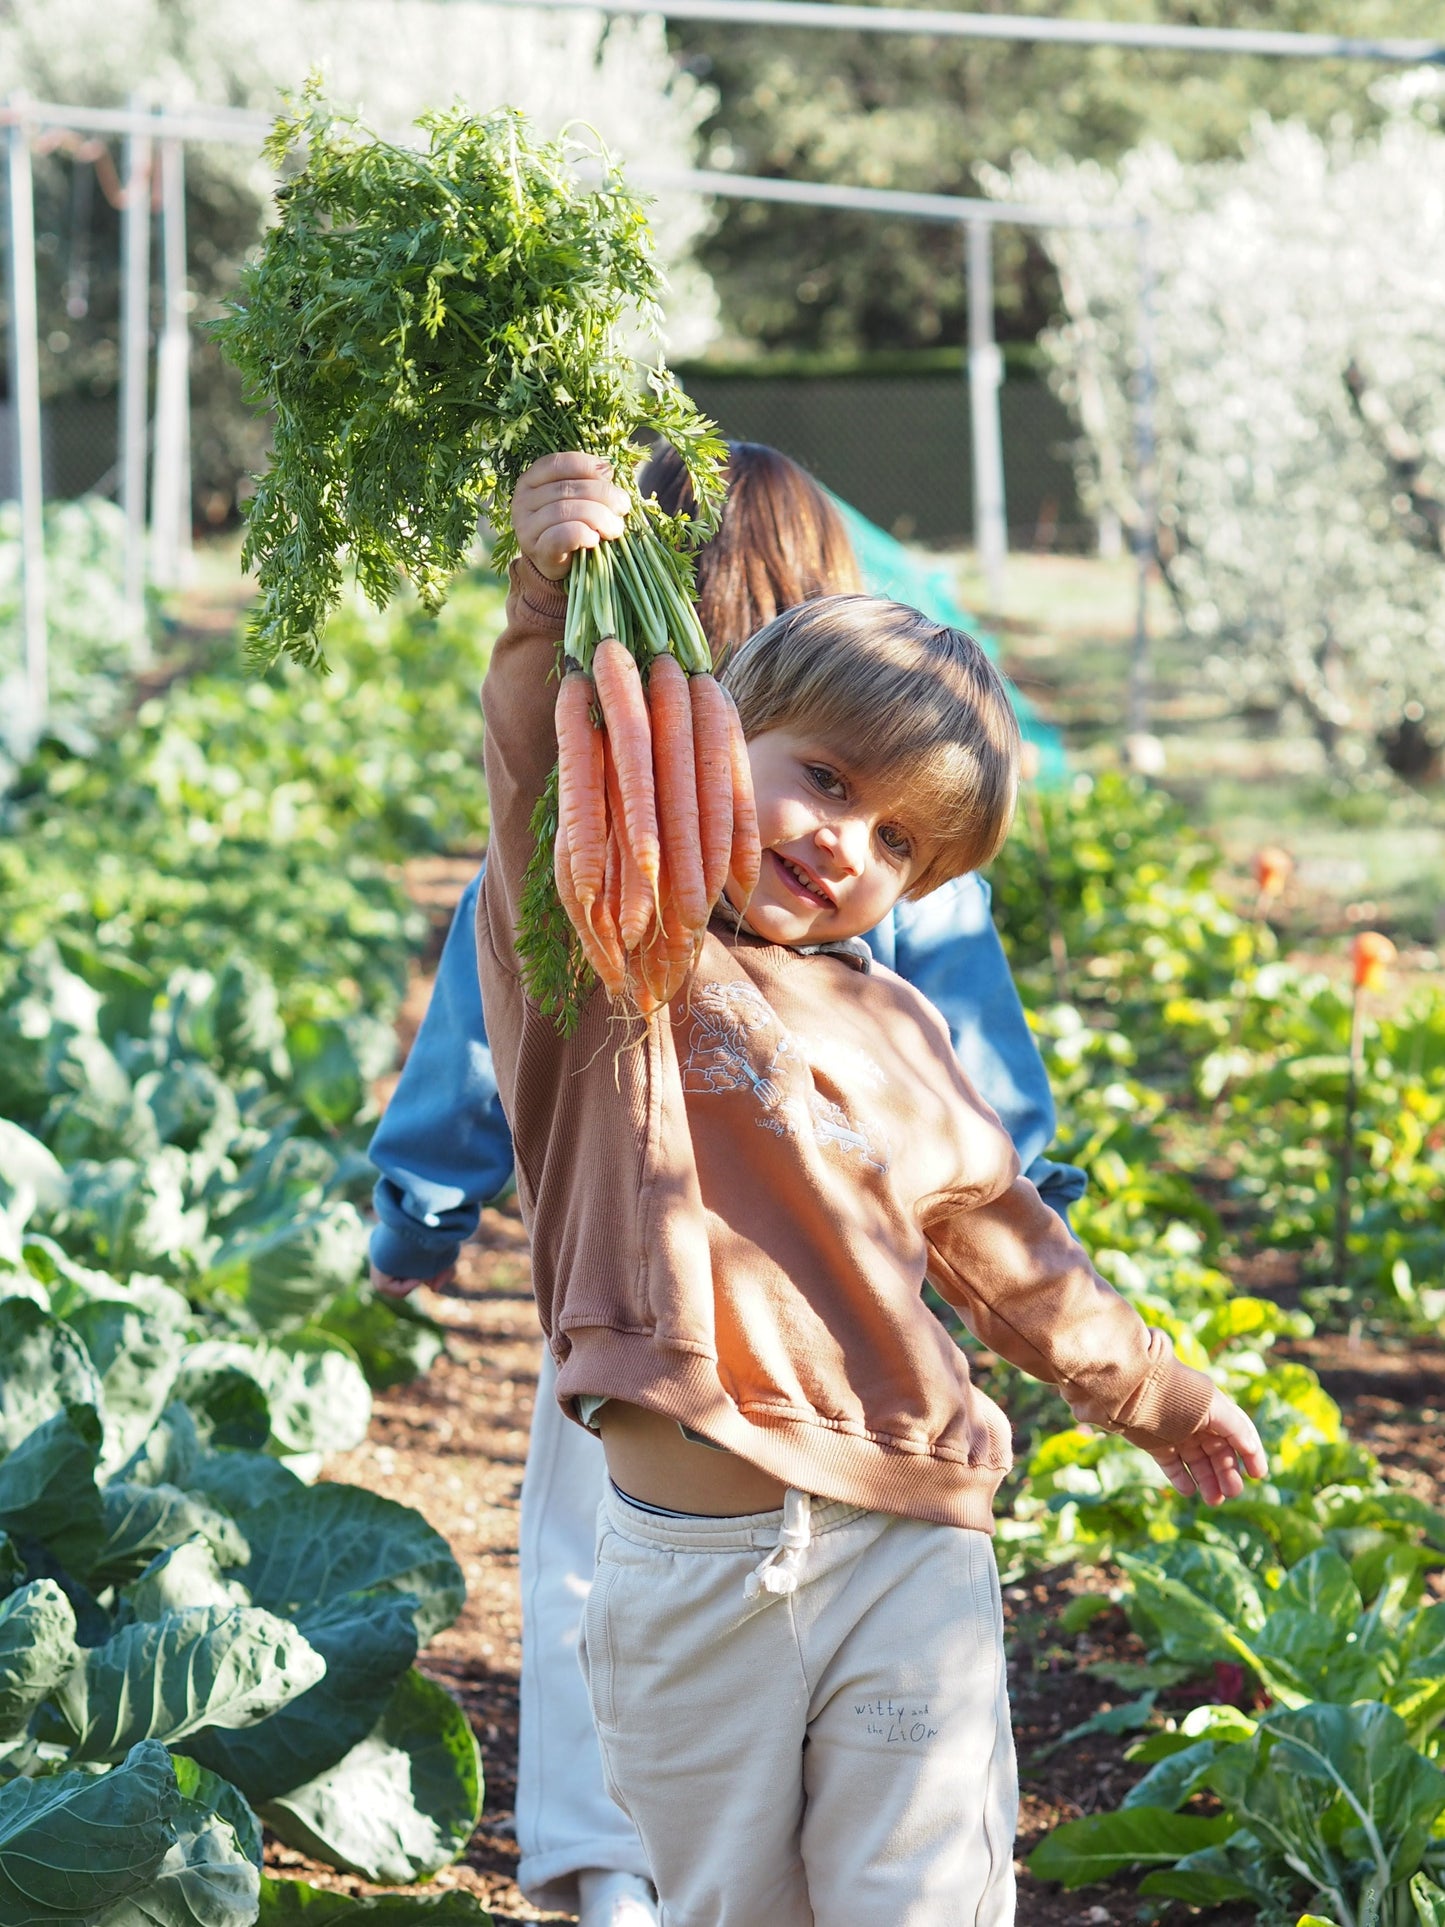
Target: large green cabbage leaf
164,1679
401,1804
72,1845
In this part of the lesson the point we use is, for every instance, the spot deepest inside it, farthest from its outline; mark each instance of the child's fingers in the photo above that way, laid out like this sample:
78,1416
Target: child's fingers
552,520
552,547
1206,1467
583,488
390,1287
1239,1430
569,464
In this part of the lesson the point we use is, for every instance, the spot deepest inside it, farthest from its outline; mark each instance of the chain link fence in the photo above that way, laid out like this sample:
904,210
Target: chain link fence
897,446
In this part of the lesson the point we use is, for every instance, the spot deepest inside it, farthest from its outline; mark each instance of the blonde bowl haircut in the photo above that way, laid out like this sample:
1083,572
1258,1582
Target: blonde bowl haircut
897,697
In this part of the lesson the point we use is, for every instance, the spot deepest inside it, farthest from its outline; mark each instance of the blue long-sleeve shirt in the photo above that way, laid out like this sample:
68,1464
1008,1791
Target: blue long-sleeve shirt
443,1148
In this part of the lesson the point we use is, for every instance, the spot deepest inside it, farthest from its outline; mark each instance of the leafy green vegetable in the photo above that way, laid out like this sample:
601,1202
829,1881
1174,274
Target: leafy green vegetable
367,1640
332,1541
76,1843
426,324
1103,1844
284,1902
48,1490
44,1367
37,1650
165,1679
206,1879
402,1803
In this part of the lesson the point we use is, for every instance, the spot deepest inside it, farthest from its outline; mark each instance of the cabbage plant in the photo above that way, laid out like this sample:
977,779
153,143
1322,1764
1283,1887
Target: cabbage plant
191,1638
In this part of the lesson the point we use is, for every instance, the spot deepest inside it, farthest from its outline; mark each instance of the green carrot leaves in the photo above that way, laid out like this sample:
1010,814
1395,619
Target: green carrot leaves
425,323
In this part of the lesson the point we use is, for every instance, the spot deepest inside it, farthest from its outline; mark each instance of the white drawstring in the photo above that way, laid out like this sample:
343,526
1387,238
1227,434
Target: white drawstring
779,1571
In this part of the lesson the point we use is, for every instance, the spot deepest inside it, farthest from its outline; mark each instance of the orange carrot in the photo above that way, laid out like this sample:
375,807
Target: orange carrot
629,735
635,894
582,795
606,963
639,990
653,962
746,858
675,783
608,909
712,751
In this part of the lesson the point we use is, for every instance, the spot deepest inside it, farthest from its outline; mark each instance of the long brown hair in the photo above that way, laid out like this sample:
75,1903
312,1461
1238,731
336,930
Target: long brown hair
781,541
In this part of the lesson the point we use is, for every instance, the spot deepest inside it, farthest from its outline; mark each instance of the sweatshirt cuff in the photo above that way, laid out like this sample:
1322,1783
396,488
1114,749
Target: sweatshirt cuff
541,597
1170,1407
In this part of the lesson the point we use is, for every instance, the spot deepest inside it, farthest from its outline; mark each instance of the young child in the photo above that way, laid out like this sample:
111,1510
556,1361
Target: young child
443,1149
794,1642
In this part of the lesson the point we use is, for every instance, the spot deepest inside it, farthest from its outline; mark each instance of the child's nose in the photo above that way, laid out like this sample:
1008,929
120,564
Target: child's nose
846,842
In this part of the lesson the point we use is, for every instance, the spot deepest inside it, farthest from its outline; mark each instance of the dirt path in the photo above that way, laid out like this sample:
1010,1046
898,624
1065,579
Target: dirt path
454,1446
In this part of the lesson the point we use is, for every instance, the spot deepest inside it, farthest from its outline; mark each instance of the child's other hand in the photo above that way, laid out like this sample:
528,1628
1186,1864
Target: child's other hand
387,1286
564,503
1214,1461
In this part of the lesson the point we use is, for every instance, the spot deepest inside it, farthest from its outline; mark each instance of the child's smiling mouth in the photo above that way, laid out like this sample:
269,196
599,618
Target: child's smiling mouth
801,882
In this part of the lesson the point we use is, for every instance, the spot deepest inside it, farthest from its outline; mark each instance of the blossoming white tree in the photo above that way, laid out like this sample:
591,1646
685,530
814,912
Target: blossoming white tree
1300,367
390,58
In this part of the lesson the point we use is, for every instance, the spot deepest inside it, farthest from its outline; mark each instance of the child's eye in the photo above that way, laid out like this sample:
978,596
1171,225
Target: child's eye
827,780
894,840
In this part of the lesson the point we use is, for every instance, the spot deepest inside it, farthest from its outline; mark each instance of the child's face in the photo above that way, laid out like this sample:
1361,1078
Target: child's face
838,848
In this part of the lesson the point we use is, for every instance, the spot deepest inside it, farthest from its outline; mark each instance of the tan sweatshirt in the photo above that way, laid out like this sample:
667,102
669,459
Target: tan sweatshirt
733,1213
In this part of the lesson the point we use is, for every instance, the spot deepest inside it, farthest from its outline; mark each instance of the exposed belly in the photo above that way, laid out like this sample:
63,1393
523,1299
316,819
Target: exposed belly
650,1459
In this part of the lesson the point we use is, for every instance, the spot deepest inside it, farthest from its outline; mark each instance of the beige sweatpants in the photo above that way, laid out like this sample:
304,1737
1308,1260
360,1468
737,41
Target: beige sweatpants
835,1756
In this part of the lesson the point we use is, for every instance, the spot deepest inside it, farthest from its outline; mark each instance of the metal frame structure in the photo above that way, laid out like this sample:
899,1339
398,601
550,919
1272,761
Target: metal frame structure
944,25
143,129
148,132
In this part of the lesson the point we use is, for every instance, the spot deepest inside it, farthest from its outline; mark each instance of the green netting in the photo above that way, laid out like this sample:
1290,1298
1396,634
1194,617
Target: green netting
889,569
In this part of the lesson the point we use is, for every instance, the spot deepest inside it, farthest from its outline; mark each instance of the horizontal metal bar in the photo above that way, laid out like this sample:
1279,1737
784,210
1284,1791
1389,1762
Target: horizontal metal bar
234,125
956,209
182,123
995,26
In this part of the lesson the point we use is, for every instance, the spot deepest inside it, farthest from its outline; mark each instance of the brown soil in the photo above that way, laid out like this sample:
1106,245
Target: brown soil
454,1444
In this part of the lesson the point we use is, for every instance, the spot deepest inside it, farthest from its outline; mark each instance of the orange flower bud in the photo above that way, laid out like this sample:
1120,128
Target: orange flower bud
1272,868
1373,956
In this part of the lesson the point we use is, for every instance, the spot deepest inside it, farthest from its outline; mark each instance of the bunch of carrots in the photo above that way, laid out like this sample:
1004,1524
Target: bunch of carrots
654,815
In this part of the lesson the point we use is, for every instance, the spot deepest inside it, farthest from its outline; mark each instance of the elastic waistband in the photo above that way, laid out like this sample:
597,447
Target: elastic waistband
741,1534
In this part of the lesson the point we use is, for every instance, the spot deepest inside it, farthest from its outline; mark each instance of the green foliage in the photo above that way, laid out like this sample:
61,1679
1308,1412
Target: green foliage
73,1844
95,639
403,1801
1324,1803
201,1596
1189,1043
426,324
284,1902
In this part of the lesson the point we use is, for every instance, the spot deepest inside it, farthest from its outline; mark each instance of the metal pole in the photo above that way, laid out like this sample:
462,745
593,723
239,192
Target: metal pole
135,228
25,409
1140,676
985,378
171,474
1035,29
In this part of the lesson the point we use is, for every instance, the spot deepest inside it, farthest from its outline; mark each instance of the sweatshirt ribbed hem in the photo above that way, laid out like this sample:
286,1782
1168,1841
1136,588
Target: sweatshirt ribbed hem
544,598
805,1453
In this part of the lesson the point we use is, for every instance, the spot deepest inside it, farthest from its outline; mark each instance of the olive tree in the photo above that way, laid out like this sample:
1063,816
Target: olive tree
1300,401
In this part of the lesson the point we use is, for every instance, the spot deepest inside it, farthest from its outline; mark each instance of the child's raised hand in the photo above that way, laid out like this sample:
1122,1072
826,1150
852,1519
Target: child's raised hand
1214,1460
391,1286
564,503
